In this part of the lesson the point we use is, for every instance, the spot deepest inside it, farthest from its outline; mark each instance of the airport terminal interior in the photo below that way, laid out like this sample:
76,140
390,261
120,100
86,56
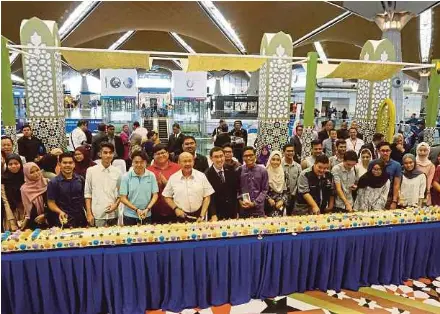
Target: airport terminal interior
220,157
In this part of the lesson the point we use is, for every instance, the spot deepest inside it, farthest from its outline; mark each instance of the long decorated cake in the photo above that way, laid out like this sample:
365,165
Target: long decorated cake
57,238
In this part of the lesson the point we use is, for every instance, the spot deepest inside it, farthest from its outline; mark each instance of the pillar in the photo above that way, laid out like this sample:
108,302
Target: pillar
8,108
253,84
370,94
43,80
309,103
85,92
274,91
423,88
432,103
217,87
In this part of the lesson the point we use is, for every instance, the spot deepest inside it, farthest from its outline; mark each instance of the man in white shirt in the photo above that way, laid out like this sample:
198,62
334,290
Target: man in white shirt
101,190
188,191
353,142
137,129
78,136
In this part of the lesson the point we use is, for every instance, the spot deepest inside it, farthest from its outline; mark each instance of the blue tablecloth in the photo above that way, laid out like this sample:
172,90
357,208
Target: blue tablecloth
174,276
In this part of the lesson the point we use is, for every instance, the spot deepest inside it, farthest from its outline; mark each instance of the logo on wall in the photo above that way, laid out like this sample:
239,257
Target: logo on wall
118,82
189,84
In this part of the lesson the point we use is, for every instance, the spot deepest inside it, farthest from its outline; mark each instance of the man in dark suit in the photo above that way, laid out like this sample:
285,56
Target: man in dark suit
377,138
116,141
98,139
224,181
239,138
190,146
325,133
175,141
296,141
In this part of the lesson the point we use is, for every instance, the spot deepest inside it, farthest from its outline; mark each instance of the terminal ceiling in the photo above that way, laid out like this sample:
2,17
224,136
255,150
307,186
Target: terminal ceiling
153,21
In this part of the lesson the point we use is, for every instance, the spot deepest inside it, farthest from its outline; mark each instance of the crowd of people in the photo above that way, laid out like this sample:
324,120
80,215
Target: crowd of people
166,183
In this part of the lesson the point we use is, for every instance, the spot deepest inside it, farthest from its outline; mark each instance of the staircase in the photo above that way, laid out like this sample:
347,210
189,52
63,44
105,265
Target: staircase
148,124
163,131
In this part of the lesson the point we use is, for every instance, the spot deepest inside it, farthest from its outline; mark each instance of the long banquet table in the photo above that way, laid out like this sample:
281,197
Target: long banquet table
174,276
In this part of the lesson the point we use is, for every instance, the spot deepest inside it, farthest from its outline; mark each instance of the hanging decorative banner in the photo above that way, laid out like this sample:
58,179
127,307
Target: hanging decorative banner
214,63
121,82
189,85
358,70
81,60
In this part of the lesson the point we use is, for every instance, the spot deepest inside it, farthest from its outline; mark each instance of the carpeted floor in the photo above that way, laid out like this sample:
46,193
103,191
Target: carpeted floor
414,296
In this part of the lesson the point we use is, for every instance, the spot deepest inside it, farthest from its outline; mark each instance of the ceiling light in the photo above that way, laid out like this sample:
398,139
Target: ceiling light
16,78
121,40
183,43
76,17
224,25
320,52
425,35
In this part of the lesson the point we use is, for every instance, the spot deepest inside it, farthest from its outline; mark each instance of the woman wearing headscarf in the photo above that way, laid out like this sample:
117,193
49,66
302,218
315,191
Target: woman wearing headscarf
365,157
48,165
426,166
82,160
373,188
277,196
33,195
264,156
413,186
398,148
12,180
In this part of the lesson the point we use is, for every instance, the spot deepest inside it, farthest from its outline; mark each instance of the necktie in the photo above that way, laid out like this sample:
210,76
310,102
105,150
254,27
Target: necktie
222,177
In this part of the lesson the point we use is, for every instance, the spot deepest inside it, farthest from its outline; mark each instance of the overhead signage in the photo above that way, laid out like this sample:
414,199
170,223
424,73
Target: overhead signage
118,82
189,84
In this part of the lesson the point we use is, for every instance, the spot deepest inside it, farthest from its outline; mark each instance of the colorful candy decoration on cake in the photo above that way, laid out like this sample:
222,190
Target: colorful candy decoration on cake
56,238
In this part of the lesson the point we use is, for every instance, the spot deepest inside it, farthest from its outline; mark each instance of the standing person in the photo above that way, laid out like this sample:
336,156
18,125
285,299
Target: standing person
138,191
222,137
101,190
341,148
162,168
12,181
315,193
355,125
325,133
329,144
224,181
344,115
263,158
398,148
435,187
8,147
297,142
292,170
345,182
354,142
239,138
190,146
82,160
426,166
229,157
150,143
188,191
30,146
254,185
48,165
316,151
137,129
413,187
135,144
116,141
377,138
175,141
373,188
34,197
219,129
343,131
125,135
364,160
277,195
394,171
98,139
65,194
78,136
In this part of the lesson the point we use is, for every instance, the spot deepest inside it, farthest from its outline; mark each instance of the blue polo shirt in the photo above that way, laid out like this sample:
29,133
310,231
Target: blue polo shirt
69,197
138,189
